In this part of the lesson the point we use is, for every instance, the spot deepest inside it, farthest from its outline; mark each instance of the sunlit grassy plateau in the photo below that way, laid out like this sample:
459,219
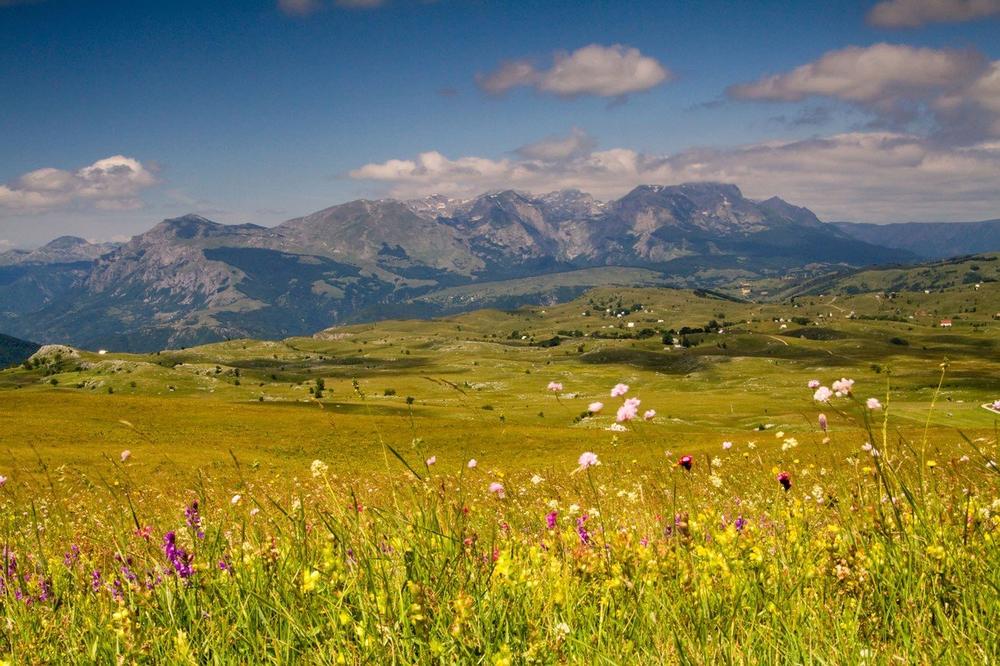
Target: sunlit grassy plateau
312,500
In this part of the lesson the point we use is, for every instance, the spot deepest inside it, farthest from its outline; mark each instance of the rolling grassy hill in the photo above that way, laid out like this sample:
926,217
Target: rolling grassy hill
14,351
712,368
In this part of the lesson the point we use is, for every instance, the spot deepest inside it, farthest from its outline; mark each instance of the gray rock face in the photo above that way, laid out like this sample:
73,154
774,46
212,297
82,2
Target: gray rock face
190,280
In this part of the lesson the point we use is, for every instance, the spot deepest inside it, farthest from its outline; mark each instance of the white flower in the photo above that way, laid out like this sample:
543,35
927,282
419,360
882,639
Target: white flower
536,479
726,446
319,468
236,499
716,481
873,404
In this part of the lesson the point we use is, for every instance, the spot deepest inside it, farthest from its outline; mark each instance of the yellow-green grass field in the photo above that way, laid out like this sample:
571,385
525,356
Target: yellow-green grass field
351,528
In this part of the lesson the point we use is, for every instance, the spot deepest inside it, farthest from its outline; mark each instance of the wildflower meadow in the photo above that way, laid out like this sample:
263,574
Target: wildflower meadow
845,542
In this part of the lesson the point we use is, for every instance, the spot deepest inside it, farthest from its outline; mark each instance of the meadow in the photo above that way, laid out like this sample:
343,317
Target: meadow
448,492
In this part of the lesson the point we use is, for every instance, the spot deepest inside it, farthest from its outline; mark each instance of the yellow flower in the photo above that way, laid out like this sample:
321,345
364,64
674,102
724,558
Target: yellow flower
931,464
309,580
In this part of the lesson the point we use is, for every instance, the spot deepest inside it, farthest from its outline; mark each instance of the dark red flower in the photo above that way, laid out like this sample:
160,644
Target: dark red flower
785,479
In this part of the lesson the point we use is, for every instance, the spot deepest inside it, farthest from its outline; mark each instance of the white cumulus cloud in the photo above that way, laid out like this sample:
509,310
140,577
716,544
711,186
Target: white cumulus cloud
604,71
915,13
956,89
112,183
869,176
875,74
554,148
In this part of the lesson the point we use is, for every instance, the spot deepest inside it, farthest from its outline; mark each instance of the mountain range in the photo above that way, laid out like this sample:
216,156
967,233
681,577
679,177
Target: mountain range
190,280
929,240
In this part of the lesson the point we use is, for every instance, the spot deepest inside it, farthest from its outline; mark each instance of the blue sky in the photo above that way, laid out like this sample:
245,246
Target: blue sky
261,111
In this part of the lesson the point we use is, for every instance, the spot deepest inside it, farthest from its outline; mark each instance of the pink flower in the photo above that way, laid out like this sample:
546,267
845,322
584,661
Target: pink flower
430,461
843,386
497,489
588,459
555,386
727,445
813,383
873,404
126,454
595,407
823,422
3,481
619,390
822,394
472,464
686,462
629,410
648,415
996,406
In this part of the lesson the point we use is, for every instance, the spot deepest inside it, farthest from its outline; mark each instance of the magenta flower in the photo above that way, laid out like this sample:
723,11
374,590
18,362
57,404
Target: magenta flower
785,479
619,390
550,519
555,386
686,462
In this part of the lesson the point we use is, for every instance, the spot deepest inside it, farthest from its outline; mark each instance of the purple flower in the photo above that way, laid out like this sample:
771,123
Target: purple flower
581,530
550,519
194,519
95,580
740,524
177,556
70,558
